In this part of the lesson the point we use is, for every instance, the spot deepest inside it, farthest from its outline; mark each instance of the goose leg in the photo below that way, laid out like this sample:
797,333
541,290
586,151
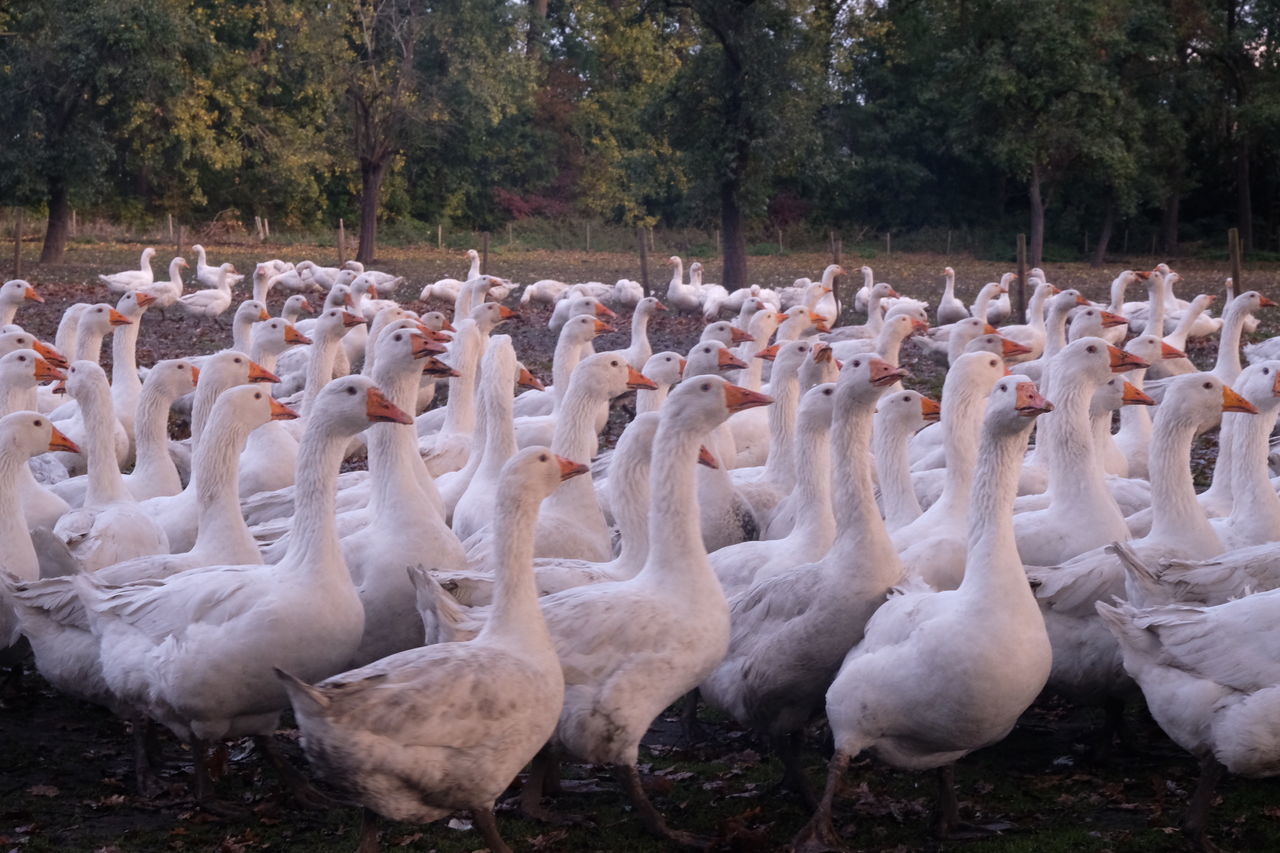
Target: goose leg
543,779
793,779
691,731
946,819
370,830
652,820
202,785
298,786
819,834
1197,816
145,748
488,826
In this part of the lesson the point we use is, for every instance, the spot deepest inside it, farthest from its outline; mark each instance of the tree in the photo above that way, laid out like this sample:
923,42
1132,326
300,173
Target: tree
76,79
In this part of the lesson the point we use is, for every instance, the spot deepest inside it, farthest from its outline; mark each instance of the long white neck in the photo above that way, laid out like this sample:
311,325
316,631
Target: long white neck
677,558
516,618
862,542
497,419
19,557
151,435
569,353
1035,311
67,339
216,469
889,343
962,424
124,358
324,351
1256,511
106,485
393,453
1178,337
1135,421
629,499
1176,517
893,464
651,400
8,310
640,349
1228,367
1118,286
1055,331
993,571
265,354
949,289
314,546
780,466
814,519
1076,478
575,438
1155,311
241,331
981,304
88,343
460,410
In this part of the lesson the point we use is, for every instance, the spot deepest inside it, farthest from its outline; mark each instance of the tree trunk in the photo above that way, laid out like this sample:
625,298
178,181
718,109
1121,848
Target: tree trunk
59,225
1169,224
537,24
734,238
371,174
1244,199
1037,218
1104,237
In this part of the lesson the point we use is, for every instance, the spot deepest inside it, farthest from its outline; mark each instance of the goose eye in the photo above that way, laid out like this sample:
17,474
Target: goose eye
1266,371
39,423
542,457
399,338
613,364
257,396
1004,387
238,361
1091,348
351,390
706,386
22,358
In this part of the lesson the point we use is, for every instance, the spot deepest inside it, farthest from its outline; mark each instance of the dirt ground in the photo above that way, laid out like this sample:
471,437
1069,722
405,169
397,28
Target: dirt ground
1054,784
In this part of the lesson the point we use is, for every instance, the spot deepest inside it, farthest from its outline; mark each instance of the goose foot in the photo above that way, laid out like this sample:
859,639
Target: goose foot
291,779
488,826
946,819
819,834
370,832
1194,823
652,820
544,779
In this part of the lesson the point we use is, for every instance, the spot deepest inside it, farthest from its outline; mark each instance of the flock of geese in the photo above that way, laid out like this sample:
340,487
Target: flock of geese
782,529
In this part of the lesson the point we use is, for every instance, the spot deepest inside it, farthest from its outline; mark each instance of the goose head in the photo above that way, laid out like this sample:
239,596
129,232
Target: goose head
709,358
1249,302
436,322
86,380
472,255
16,291
906,411
402,349
1198,400
788,357
339,297
294,307
1151,348
334,323
31,433
532,474
23,369
664,368
649,305
1091,361
704,402
971,374
346,406
487,315
997,344
964,331
253,406
1013,406
1088,322
1260,385
726,333
864,379
276,335
229,368
583,328
902,325
1114,394
147,254
251,311
695,274
884,290
172,378
609,374
817,407
11,341
135,303
101,318
763,323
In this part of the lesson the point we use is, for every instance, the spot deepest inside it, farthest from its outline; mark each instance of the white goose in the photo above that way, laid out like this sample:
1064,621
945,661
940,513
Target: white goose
154,473
13,295
211,276
950,308
122,282
211,302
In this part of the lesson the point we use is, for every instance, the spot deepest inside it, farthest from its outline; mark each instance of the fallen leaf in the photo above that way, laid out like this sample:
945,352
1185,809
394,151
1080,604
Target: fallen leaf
43,791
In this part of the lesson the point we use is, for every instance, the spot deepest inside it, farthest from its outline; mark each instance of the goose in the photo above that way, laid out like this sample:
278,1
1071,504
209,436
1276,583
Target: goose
571,347
297,279
110,526
863,297
573,307
626,293
384,283
13,295
739,565
122,282
875,318
405,512
211,302
1061,309
791,630
999,308
933,547
895,695
712,296
1178,340
1227,365
639,350
165,293
628,649
1253,516
821,298
1032,334
983,304
155,474
448,449
20,370
1086,660
899,416
1149,317
248,312
431,730
65,338
680,296
446,289
950,309
664,369
1113,396
195,651
294,307
270,458
475,291
1081,514
210,276
760,328
902,324
1134,436
547,290
326,277
94,324
820,366
22,435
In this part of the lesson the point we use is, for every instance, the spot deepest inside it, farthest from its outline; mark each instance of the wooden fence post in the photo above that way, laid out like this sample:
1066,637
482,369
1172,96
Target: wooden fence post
888,245
588,235
484,253
177,243
1233,246
837,252
17,243
644,258
439,235
1020,295
342,242
169,218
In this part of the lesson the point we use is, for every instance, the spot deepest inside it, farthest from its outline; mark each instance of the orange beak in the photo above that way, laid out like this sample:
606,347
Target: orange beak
435,367
727,360
602,327
1167,351
1029,403
49,354
448,327
143,299
1134,397
658,306
737,336
989,329
1233,402
637,380
1010,348
883,373
46,372
738,399
684,362
504,313
1110,320
381,410
1080,300
603,311
281,412
570,469
769,353
893,294
1122,362
919,326
58,441
293,336
59,387
1054,289
424,346
118,319
263,316
350,320
306,306
258,373
1264,302
528,380
705,457
30,293
195,375
348,301
1142,275
930,410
